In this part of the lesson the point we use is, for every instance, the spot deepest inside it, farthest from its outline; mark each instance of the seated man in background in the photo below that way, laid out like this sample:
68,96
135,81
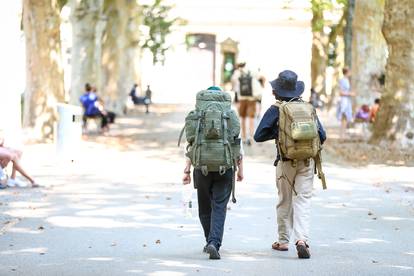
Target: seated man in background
100,104
90,104
137,100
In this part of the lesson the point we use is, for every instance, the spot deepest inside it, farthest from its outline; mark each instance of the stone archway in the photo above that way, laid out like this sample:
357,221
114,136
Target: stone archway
229,51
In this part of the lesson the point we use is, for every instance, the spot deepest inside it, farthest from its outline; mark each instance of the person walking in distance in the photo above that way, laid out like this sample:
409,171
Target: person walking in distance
214,150
298,133
245,86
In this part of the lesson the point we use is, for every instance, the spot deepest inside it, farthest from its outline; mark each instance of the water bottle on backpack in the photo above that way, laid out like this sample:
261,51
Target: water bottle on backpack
187,200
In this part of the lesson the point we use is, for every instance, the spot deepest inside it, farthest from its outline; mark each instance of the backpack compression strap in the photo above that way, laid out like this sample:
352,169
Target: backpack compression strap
278,104
181,136
318,167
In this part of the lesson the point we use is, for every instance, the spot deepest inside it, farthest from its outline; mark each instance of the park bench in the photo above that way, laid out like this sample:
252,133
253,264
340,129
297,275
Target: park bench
137,101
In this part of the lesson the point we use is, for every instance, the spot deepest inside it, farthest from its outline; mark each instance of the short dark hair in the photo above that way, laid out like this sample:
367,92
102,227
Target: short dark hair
377,101
241,65
345,70
279,98
88,87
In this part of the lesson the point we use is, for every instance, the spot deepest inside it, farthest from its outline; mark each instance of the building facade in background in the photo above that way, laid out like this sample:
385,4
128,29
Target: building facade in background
268,35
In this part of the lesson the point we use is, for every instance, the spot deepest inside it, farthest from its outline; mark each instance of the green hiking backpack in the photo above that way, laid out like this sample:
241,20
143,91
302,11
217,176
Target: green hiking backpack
298,134
212,130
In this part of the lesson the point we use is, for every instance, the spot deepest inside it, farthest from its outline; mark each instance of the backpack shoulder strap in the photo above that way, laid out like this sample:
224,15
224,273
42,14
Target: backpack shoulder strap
181,136
318,169
278,104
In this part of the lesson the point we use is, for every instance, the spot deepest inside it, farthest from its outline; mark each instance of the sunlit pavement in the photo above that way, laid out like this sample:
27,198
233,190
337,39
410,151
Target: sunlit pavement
116,210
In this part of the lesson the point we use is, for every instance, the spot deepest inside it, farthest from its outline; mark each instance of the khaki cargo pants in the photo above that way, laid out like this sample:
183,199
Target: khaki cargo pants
293,210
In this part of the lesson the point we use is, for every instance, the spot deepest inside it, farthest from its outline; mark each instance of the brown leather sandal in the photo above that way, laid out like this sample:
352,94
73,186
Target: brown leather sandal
303,250
280,246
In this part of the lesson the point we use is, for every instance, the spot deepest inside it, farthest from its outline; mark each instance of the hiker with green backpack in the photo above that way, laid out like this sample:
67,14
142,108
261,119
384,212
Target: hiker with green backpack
212,132
298,133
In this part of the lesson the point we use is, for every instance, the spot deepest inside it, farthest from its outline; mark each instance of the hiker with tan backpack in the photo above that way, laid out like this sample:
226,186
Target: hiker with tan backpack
298,133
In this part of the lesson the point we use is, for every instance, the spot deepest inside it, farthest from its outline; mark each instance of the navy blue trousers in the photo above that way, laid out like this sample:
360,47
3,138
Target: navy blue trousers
213,193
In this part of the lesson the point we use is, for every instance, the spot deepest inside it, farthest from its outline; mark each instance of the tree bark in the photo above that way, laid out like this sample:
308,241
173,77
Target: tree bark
369,50
44,75
396,116
84,18
350,8
319,52
119,51
129,48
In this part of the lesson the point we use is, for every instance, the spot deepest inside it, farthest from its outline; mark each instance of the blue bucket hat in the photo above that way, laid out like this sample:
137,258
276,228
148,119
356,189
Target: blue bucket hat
215,88
287,85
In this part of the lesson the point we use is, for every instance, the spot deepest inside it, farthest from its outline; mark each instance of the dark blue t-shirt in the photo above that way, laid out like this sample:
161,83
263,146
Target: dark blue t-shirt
88,101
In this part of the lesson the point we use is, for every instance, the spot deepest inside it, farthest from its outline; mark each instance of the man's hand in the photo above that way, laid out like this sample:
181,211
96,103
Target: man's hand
187,175
240,175
186,179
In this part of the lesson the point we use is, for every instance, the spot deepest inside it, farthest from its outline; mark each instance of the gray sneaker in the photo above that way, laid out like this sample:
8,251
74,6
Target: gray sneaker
212,250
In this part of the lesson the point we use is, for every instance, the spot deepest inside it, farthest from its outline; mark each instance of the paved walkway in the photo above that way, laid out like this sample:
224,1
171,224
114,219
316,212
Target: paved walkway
116,211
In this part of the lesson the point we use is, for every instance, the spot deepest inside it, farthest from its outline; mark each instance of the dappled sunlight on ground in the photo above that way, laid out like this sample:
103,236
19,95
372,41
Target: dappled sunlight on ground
117,210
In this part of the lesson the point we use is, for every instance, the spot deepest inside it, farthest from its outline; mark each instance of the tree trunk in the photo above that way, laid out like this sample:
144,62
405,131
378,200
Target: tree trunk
350,8
129,48
44,75
396,116
369,50
319,52
119,51
336,42
84,17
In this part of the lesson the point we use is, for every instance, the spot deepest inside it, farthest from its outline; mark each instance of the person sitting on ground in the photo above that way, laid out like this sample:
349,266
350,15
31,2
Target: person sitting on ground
89,102
8,155
374,110
3,175
362,114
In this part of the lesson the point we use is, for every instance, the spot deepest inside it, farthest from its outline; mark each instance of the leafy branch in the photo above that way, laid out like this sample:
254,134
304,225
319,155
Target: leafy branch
156,18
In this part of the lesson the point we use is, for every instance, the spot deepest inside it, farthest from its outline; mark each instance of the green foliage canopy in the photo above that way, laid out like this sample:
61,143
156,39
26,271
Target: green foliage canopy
156,18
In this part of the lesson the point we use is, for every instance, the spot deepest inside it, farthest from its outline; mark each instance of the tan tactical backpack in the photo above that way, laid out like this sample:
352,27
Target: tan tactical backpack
298,130
298,134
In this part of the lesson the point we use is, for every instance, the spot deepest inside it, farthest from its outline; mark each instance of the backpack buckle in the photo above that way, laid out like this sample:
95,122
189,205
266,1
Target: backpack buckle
204,170
222,170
